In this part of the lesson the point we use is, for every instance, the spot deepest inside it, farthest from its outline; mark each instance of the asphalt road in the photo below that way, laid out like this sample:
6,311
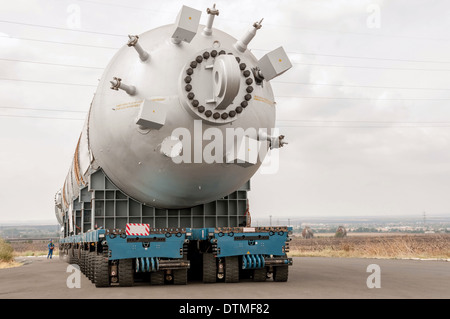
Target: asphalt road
316,277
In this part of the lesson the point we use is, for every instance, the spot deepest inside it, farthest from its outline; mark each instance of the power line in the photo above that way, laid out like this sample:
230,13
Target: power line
361,86
286,126
45,82
358,33
309,64
63,29
366,121
59,42
48,63
361,98
279,96
370,67
292,52
127,7
40,109
91,85
364,126
278,120
283,82
41,117
252,49
357,57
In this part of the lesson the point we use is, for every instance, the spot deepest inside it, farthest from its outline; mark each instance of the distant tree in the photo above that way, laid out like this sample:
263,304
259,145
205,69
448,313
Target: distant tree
307,232
340,232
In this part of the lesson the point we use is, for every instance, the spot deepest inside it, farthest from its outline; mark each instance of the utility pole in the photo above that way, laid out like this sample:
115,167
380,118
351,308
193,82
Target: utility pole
424,220
270,221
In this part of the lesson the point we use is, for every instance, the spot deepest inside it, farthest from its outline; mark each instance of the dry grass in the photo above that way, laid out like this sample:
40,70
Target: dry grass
7,256
12,264
6,252
435,246
29,253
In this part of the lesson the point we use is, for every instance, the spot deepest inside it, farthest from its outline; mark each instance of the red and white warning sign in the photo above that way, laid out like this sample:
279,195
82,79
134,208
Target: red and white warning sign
138,229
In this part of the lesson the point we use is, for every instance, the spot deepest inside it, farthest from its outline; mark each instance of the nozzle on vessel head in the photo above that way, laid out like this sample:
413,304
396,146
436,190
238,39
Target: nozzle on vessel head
241,45
212,12
133,42
117,84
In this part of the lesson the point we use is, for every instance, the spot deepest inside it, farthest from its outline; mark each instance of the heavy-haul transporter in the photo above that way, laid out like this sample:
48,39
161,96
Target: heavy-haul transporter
157,190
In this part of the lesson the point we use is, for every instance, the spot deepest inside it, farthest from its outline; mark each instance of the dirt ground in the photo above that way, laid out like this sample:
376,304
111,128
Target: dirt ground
384,246
309,277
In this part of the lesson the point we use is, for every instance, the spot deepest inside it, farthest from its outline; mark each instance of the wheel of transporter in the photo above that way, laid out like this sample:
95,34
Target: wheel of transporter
280,273
71,256
157,278
78,256
209,268
126,273
88,264
93,256
232,269
101,271
180,277
83,261
260,274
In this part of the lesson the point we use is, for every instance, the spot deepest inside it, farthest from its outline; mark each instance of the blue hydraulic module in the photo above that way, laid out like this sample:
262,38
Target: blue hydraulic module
228,253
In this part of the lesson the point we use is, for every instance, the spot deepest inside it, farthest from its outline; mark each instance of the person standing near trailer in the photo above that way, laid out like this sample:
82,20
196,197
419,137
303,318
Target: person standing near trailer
50,246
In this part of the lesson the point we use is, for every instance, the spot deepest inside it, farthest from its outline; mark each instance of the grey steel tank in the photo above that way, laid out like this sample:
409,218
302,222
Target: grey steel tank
159,120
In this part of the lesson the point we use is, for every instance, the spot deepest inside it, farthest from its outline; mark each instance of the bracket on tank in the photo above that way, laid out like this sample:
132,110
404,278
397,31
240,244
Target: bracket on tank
272,64
151,114
186,25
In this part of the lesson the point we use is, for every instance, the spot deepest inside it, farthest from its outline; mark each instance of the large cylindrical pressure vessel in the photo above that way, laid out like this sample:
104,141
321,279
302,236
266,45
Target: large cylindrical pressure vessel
176,118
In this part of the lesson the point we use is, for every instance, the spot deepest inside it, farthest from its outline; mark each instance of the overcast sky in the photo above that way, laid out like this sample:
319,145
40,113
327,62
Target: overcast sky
365,108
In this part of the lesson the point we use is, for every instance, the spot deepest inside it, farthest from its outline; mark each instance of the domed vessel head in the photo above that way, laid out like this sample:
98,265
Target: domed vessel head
182,114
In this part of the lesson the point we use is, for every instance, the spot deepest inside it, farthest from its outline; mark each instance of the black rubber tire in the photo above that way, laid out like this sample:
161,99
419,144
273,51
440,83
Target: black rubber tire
82,261
260,274
280,273
91,269
157,278
126,273
102,271
88,264
209,268
78,256
232,269
71,259
180,277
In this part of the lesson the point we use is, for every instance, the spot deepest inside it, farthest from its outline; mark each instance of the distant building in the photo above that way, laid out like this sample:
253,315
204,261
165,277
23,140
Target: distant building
307,233
341,232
